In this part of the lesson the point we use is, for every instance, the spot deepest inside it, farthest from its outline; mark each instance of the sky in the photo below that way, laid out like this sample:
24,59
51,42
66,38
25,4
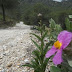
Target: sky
58,0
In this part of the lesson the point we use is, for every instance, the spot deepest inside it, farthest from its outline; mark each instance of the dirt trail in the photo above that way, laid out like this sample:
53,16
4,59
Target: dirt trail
15,48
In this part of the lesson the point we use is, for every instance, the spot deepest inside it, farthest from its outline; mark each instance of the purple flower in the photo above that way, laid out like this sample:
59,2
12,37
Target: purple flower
64,38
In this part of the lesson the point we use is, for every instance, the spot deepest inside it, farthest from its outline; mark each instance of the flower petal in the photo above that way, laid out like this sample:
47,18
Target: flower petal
51,52
65,37
58,57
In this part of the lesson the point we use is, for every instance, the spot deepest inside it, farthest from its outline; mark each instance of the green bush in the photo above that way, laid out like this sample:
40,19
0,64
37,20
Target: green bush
54,30
39,62
68,24
6,24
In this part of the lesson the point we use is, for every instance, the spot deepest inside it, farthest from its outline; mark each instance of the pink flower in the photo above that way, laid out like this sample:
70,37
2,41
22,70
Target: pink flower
64,38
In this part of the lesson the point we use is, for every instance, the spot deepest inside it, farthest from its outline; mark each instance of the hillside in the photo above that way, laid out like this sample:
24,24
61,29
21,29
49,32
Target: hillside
27,11
49,8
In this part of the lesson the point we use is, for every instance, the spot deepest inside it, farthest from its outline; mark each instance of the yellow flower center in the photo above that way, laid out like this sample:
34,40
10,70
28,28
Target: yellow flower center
57,44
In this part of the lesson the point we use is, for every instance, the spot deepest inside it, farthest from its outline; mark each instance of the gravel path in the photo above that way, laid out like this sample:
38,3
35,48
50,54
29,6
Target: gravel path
15,48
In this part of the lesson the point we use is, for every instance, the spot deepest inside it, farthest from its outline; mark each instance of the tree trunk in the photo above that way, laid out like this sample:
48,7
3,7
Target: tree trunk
3,9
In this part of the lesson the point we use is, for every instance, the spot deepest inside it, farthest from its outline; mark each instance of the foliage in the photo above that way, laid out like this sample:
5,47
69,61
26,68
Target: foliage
7,24
7,5
65,67
55,69
30,15
68,24
54,30
62,17
29,10
39,61
0,17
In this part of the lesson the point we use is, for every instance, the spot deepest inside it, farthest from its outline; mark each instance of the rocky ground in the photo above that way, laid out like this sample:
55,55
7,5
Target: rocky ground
15,48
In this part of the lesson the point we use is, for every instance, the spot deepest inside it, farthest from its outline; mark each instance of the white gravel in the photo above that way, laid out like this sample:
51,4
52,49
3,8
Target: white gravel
15,44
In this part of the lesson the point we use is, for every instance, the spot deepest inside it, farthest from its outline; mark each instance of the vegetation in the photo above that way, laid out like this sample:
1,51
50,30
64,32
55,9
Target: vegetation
39,61
29,9
40,13
7,4
68,24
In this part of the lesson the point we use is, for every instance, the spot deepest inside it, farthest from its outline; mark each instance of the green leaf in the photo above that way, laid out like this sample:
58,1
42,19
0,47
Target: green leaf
55,69
28,65
36,60
45,63
44,35
36,53
35,65
66,66
52,23
71,26
36,36
36,45
46,47
67,23
39,29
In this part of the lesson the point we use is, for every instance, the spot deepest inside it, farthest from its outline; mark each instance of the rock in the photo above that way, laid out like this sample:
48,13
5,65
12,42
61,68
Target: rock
1,48
23,55
23,70
2,70
18,64
26,61
32,70
9,65
70,62
4,47
7,51
1,56
21,42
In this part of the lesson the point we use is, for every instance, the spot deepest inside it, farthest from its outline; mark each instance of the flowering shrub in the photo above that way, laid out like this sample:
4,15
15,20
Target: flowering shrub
41,56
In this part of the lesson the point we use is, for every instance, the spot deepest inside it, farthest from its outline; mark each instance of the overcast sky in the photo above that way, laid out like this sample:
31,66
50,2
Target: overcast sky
58,0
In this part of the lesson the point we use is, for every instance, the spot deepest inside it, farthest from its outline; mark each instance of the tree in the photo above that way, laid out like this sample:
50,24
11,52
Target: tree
3,9
7,4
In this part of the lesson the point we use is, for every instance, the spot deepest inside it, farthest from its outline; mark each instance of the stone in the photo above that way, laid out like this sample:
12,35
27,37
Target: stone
7,51
23,70
32,70
26,61
4,47
18,64
2,70
9,65
1,56
70,62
